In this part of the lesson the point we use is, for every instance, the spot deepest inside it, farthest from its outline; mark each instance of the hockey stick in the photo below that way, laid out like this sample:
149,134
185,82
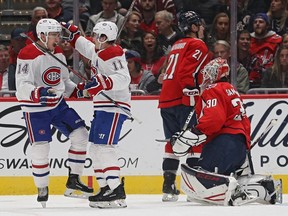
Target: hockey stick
125,19
43,49
185,126
124,135
268,128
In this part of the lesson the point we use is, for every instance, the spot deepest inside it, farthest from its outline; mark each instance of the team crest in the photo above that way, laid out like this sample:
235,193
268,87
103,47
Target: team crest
41,132
51,76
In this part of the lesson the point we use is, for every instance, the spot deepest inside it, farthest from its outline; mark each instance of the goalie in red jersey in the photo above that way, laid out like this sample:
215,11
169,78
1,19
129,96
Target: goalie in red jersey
220,176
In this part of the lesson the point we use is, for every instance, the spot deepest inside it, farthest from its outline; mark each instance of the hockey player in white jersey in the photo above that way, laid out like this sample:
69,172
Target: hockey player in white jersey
111,77
41,83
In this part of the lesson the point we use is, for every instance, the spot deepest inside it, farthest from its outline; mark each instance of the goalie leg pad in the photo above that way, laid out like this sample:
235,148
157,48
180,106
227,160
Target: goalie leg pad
206,186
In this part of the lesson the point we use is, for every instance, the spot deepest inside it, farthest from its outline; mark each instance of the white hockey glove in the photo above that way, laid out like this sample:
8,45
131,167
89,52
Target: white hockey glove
191,92
183,141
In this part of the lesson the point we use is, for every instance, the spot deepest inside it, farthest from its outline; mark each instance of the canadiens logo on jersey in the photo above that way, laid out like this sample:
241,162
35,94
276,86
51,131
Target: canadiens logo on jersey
52,76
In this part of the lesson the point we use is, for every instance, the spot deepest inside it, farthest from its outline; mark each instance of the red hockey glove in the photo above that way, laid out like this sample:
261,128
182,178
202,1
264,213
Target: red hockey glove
98,84
46,96
73,31
78,91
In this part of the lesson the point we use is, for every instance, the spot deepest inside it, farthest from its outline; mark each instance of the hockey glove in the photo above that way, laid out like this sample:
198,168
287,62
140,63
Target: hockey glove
78,91
46,96
184,140
73,32
97,85
191,92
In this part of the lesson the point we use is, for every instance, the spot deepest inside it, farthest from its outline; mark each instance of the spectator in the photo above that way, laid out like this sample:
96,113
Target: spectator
243,49
139,77
159,5
264,44
220,30
148,11
4,63
152,57
37,14
207,9
84,10
285,39
56,11
67,51
168,34
278,16
16,44
95,7
258,6
222,49
277,75
108,13
131,36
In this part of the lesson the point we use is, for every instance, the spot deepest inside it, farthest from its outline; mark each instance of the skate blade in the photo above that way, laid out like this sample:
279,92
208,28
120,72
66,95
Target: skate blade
77,194
43,204
169,197
240,202
109,205
278,191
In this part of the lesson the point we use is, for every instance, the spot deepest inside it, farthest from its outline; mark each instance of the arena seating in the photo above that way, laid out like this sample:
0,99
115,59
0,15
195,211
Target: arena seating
15,13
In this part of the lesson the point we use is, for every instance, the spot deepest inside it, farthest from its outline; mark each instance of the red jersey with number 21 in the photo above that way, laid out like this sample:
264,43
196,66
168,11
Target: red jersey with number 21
186,59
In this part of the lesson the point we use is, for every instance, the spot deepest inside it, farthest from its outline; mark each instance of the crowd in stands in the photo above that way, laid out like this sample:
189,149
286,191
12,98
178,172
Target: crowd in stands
150,29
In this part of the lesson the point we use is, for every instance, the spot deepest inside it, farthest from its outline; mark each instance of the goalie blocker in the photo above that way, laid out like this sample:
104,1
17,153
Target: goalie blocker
203,186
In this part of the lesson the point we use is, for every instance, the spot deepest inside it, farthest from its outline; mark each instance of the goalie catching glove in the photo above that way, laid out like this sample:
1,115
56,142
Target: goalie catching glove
97,84
45,96
182,141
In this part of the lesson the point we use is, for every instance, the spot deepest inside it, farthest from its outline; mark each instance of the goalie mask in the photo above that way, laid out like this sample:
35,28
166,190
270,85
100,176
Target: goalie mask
214,71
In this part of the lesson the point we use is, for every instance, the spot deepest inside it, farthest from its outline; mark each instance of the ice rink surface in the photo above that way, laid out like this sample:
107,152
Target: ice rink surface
138,205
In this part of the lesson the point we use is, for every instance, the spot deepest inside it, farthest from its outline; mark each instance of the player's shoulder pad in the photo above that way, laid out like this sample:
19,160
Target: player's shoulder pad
110,52
29,52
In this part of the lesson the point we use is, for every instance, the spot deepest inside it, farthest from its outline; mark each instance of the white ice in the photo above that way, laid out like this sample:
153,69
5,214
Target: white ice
138,205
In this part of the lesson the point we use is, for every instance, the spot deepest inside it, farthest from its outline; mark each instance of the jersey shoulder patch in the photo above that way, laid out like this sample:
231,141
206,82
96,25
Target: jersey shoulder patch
110,52
29,52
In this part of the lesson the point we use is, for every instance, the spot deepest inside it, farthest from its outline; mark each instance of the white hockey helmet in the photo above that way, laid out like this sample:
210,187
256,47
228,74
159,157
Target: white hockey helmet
48,25
107,28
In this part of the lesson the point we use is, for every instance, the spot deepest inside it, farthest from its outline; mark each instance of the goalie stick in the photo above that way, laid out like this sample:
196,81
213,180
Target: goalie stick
268,128
185,126
43,49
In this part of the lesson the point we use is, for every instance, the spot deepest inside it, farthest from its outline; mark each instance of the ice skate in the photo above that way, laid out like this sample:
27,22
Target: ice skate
107,198
170,192
75,188
274,188
43,196
241,197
